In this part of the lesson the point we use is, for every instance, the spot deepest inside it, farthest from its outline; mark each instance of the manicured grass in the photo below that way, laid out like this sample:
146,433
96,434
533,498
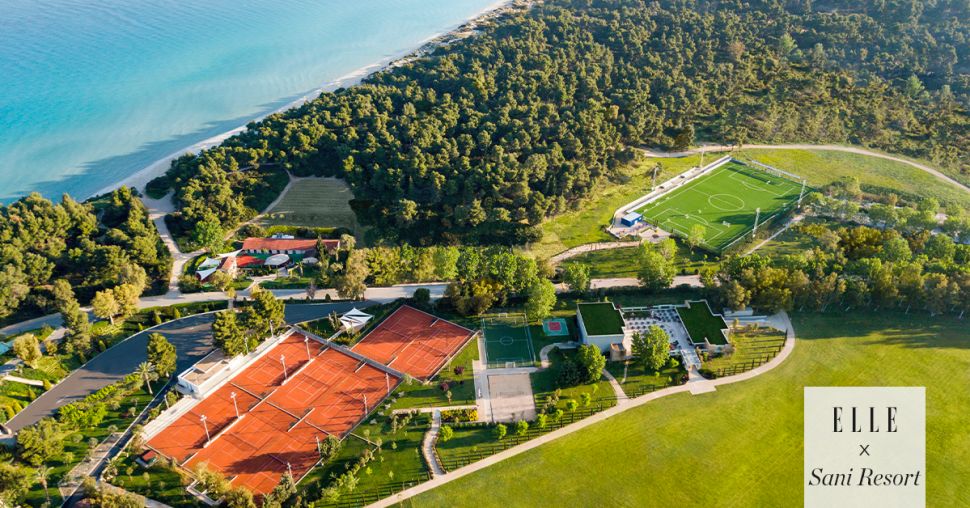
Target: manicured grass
752,347
702,324
723,202
462,386
748,435
823,167
315,202
586,222
637,380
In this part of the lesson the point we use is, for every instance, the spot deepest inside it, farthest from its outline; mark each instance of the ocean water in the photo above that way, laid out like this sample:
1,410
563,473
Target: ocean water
92,91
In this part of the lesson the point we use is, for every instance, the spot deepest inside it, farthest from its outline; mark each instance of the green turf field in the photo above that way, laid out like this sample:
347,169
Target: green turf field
723,201
747,435
507,340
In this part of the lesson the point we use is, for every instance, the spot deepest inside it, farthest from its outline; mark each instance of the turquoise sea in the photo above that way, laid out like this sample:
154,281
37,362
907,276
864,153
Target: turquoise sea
92,91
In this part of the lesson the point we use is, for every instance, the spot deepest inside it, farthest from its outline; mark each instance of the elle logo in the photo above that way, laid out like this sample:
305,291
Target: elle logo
859,417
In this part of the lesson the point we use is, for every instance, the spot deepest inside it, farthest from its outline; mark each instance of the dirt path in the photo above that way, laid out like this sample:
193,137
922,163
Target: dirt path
832,148
696,387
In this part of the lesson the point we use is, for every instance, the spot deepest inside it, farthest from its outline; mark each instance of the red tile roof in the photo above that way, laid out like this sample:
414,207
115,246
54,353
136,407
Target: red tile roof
283,244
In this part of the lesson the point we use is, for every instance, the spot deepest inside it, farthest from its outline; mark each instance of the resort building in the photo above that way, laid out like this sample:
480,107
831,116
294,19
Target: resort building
601,324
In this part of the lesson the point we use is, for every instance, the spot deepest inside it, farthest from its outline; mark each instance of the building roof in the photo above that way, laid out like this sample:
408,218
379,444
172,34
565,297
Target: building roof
208,263
632,216
298,244
601,318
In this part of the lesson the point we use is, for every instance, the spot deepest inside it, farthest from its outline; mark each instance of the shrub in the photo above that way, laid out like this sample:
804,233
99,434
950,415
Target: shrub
521,427
571,404
570,373
446,433
459,370
500,431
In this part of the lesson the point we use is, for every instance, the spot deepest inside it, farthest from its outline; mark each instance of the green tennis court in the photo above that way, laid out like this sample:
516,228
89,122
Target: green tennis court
508,342
724,202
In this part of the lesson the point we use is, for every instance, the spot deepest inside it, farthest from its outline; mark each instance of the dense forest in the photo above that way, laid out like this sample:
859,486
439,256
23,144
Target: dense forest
484,138
93,246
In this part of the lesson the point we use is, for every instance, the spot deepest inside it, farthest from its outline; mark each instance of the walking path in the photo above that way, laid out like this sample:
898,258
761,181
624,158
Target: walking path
832,148
700,386
617,389
427,446
544,352
589,247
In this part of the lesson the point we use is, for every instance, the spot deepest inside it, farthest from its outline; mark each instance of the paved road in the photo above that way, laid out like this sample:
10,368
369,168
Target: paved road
191,337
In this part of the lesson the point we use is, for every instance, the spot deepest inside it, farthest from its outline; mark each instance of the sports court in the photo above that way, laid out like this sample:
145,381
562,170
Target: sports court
296,393
508,342
414,342
724,201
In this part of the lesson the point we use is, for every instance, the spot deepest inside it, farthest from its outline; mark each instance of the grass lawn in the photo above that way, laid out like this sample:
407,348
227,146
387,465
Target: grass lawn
723,202
618,263
822,167
462,386
748,435
637,380
702,324
752,347
587,222
792,241
314,202
162,483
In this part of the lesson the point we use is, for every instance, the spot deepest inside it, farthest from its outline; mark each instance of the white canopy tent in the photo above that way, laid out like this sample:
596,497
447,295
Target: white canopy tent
355,319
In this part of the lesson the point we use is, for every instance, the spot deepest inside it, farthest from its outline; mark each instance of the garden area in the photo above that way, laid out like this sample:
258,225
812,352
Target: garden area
63,443
389,447
636,379
752,346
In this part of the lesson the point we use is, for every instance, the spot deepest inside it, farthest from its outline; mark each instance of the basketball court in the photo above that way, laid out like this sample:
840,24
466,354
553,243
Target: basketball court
508,342
555,327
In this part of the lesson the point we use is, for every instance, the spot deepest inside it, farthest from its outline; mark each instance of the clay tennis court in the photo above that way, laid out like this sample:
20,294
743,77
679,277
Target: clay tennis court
414,342
281,415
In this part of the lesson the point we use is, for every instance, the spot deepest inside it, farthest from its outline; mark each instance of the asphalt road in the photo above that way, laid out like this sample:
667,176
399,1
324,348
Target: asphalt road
192,337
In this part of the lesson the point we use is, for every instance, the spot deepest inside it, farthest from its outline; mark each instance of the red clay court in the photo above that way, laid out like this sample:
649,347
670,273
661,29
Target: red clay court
414,342
281,415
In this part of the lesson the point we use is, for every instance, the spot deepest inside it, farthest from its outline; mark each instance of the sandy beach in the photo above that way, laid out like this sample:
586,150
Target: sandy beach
140,178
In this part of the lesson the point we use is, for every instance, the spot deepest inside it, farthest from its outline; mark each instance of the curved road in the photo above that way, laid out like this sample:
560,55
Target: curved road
192,339
832,148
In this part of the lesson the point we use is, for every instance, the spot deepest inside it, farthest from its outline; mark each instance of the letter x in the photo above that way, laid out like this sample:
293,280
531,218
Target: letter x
865,450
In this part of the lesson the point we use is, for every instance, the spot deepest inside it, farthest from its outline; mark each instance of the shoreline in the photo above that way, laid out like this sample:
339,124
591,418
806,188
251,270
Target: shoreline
140,178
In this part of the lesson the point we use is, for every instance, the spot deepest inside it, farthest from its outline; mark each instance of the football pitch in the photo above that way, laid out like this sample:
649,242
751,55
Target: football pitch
508,342
723,202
